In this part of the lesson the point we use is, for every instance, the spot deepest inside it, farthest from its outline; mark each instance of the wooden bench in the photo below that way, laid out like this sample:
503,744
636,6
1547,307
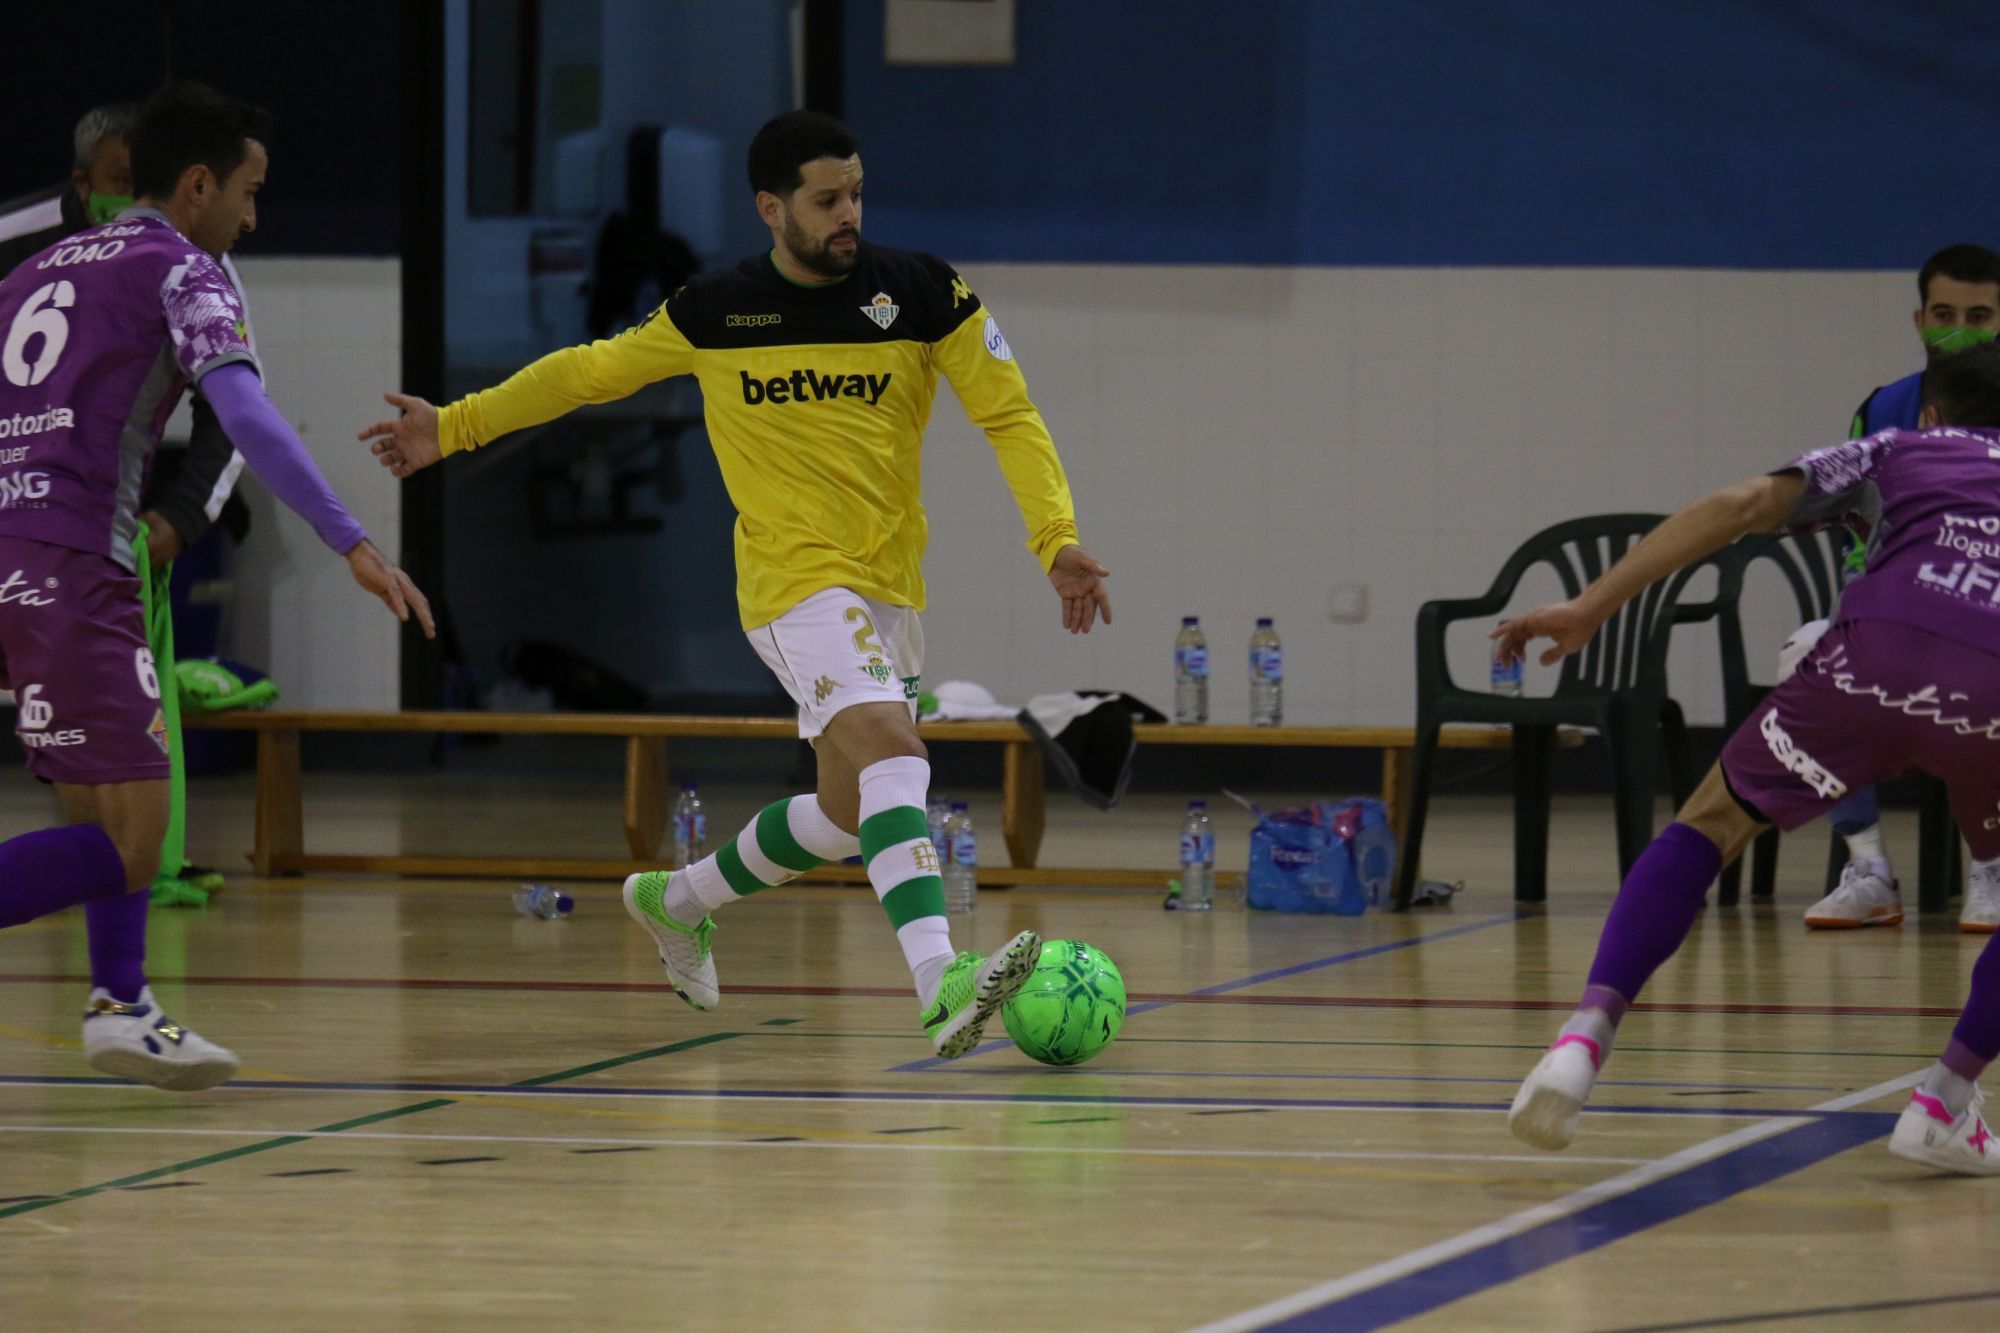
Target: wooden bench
280,816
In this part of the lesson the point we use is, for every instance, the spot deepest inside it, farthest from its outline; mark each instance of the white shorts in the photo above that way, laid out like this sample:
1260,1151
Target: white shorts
837,649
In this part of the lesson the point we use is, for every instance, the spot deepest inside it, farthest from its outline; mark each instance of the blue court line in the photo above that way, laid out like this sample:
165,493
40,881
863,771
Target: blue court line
1592,1228
1223,988
998,1098
1511,1080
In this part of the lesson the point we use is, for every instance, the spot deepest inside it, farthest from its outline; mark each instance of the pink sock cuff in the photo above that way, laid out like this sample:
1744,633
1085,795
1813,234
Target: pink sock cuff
1596,1051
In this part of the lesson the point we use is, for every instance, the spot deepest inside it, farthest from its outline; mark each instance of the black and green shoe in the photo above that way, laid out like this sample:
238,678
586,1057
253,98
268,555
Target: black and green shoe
973,990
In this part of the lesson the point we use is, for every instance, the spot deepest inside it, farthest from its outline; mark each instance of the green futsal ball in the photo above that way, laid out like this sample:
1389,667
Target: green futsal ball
1070,1008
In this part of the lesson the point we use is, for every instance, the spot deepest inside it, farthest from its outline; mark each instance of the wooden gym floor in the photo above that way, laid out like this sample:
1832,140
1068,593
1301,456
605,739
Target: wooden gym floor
450,1118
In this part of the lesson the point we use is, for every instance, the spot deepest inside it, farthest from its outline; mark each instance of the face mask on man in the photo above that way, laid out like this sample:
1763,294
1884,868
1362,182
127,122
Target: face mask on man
1948,339
105,207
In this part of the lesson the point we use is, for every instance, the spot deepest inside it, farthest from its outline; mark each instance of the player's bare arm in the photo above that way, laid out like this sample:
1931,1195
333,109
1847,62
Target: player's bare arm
1079,580
406,443
1759,504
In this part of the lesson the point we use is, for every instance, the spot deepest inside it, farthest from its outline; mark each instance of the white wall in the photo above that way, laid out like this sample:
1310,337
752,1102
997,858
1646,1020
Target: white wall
329,334
1241,439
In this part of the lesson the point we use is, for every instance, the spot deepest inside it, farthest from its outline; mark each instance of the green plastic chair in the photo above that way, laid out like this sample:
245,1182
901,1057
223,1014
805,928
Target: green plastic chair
1617,684
1812,564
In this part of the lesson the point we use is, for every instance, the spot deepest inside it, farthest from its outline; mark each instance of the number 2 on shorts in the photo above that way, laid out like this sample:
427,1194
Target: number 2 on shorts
864,638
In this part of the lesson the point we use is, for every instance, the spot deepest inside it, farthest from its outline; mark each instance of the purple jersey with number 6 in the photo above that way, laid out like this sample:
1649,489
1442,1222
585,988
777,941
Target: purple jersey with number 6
102,333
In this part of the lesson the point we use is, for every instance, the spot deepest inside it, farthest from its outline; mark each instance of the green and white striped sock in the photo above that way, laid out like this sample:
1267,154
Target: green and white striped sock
786,839
903,864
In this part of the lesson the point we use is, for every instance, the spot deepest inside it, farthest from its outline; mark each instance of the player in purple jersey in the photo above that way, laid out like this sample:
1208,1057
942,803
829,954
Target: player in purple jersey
99,336
1907,678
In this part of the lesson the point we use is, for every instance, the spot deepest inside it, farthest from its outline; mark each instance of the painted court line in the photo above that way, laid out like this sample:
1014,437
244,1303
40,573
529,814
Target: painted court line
1300,1155
1240,983
1146,998
525,1086
1511,1081
1815,1312
939,1098
1514,1246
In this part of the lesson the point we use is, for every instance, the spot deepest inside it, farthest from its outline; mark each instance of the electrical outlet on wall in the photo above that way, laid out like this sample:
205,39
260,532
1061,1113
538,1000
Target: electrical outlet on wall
1347,603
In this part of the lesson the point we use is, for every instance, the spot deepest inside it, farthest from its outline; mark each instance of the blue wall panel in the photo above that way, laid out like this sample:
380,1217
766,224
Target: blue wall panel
1732,133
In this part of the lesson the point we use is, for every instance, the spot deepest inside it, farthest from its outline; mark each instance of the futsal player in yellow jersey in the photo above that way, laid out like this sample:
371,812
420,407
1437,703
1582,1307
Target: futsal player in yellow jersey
818,364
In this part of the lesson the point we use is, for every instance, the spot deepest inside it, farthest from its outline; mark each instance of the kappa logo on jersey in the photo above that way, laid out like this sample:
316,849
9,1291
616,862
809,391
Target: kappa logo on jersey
961,291
802,386
883,309
1786,751
750,321
33,724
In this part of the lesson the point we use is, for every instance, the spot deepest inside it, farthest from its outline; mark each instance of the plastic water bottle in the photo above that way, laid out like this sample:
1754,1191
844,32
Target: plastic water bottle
1197,859
542,901
936,812
1507,677
961,869
690,827
1267,676
1190,672
1374,854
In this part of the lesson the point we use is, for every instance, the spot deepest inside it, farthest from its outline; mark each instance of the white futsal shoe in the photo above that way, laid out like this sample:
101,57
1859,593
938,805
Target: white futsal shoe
138,1041
1552,1096
1865,896
1926,1132
684,950
1981,913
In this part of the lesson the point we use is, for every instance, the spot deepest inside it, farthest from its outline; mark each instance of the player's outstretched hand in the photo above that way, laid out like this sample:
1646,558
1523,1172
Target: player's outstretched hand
1079,581
1566,622
408,443
373,571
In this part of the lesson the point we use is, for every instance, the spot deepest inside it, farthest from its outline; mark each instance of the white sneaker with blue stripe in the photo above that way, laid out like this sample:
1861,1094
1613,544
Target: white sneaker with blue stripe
139,1042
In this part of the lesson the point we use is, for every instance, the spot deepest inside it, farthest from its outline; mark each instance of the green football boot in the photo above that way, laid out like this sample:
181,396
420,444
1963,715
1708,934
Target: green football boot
973,990
683,949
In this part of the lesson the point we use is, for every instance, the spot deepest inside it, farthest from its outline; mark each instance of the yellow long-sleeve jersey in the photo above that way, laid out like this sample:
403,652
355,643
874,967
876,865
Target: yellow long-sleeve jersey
816,400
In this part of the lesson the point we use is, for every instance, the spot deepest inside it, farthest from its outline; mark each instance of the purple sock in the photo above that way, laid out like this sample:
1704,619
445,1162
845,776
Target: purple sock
1976,1040
1656,908
54,868
118,943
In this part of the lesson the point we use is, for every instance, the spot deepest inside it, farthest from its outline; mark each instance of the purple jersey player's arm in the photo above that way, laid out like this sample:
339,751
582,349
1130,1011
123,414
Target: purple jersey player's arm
205,324
276,454
1760,504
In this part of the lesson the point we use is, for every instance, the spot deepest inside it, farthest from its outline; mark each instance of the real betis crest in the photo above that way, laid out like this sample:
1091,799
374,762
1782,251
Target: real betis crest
883,309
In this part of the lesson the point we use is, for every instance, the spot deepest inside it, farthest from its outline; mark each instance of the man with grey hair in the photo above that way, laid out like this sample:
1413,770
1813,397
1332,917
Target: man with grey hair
182,503
99,188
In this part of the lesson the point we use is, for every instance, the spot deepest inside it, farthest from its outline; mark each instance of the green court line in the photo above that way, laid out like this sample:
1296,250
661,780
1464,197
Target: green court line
634,1058
85,1191
286,1140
